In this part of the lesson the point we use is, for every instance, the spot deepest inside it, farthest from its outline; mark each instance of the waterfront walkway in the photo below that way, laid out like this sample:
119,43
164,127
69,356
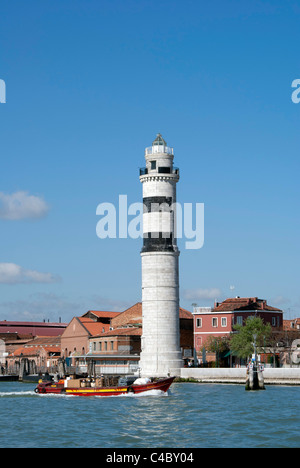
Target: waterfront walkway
277,376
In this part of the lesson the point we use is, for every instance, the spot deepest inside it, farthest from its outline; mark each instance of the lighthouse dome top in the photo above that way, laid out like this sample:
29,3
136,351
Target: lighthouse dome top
159,145
159,141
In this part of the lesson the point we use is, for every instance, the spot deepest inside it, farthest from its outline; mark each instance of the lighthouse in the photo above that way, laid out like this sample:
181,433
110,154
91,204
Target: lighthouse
160,355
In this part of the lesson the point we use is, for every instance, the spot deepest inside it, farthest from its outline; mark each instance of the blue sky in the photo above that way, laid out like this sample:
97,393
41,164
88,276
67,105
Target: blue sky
89,84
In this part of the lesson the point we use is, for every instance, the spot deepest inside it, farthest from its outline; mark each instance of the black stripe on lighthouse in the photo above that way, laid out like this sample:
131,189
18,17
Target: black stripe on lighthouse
157,204
157,241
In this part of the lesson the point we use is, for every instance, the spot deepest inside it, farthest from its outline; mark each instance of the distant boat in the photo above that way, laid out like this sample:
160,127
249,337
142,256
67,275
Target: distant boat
9,378
79,387
30,378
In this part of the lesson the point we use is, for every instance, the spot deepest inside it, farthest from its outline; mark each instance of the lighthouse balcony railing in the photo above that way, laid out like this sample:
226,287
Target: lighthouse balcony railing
143,171
159,149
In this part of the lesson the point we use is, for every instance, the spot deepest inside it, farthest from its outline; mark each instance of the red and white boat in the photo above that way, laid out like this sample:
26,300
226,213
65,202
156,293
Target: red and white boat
76,387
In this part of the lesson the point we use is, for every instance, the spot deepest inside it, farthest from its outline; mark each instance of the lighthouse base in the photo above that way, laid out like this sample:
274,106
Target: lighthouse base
169,364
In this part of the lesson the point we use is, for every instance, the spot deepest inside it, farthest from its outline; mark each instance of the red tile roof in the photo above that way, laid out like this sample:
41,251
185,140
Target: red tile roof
52,349
44,341
29,351
35,349
129,331
34,328
134,315
244,303
185,314
103,313
93,328
293,324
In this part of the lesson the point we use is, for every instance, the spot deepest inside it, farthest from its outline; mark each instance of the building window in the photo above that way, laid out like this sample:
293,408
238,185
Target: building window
273,321
105,345
224,322
199,322
153,165
215,322
239,320
199,341
94,345
100,346
111,345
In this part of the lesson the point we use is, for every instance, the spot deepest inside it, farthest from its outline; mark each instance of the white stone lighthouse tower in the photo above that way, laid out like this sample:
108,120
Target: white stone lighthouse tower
161,354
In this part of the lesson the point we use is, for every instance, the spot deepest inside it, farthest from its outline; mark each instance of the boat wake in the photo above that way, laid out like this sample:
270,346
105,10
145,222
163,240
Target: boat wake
149,393
21,394
156,393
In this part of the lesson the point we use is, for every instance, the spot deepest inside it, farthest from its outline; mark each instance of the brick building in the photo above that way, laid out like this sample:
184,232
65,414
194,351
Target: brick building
33,328
13,341
134,317
112,340
116,351
18,335
119,341
76,338
44,351
291,325
219,321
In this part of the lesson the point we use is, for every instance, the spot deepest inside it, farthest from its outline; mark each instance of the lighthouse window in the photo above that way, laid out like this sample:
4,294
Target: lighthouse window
153,165
164,170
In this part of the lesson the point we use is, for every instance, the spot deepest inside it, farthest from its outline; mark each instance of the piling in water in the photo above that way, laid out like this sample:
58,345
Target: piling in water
255,379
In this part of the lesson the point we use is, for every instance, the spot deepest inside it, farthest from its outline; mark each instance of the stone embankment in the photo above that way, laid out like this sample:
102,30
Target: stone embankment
282,376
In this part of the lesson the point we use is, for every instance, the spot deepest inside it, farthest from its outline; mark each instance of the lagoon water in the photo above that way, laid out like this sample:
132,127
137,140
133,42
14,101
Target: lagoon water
189,416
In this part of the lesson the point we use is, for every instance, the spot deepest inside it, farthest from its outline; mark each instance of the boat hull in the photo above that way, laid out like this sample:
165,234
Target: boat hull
60,389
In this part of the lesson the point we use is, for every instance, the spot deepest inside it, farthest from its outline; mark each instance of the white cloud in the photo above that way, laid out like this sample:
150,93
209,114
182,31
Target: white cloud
39,306
279,301
202,294
22,205
10,273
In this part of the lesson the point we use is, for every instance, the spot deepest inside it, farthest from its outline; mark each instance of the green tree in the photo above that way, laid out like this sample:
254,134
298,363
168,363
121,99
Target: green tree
217,344
242,340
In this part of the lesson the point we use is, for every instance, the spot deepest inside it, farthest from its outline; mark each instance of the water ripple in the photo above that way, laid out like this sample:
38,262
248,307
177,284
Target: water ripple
191,415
